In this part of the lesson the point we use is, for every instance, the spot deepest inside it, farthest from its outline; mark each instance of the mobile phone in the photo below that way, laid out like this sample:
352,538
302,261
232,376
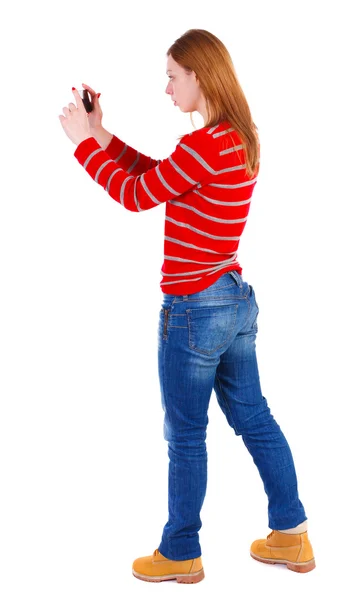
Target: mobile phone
86,98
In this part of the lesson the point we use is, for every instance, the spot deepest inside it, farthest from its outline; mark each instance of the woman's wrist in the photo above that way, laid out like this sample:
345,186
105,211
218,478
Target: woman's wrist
102,136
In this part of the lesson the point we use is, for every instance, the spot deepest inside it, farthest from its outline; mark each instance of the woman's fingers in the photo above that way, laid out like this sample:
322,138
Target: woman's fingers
87,87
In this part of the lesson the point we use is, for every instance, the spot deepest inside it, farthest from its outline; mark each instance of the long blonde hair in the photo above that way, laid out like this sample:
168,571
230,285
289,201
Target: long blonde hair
200,51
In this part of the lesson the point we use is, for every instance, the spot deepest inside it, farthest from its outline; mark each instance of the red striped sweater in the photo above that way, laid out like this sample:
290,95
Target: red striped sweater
207,195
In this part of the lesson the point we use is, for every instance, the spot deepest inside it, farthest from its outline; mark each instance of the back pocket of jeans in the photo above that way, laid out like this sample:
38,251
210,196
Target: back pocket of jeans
210,327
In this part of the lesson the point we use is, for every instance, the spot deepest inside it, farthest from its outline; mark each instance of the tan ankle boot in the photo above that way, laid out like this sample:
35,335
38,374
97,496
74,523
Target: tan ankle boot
291,549
158,568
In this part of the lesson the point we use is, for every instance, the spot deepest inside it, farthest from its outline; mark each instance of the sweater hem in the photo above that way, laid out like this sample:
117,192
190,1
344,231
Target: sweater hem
188,288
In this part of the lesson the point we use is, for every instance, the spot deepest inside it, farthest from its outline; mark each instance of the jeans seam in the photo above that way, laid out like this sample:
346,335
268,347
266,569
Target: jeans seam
227,406
211,298
248,315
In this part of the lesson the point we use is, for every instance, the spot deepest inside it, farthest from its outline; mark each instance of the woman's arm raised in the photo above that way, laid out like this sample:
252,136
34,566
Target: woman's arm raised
127,158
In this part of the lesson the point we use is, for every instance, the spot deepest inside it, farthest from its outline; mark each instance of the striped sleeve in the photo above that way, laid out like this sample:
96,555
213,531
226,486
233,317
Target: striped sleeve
172,177
129,159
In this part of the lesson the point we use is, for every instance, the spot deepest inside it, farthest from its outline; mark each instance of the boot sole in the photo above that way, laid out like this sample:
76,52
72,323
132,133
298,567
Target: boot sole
303,567
180,577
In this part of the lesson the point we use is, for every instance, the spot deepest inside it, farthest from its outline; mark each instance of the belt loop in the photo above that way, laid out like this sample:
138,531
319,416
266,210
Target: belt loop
238,279
185,298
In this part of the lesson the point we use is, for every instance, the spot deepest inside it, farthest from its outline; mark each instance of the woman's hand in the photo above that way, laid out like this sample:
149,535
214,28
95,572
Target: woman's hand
96,114
76,121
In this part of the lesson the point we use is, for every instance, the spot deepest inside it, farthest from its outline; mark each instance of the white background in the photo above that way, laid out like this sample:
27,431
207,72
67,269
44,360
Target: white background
83,464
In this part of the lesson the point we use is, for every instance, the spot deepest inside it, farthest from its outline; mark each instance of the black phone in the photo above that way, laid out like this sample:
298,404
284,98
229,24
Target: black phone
86,98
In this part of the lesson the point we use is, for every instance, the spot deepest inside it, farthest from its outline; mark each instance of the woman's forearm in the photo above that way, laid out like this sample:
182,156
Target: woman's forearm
102,136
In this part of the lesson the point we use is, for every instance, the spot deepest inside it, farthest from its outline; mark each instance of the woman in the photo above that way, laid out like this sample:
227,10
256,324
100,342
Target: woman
208,319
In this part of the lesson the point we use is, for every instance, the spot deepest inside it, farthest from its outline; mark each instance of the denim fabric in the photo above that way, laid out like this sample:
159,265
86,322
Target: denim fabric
206,341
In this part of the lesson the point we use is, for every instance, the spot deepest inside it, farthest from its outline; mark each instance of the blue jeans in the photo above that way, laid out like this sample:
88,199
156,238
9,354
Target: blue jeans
206,341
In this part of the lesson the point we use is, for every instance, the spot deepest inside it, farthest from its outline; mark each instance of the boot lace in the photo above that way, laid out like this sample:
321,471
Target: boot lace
270,534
